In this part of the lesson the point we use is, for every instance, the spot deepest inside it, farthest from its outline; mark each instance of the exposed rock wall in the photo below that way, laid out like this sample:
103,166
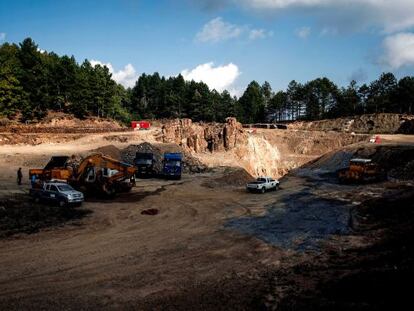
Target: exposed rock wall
385,123
202,137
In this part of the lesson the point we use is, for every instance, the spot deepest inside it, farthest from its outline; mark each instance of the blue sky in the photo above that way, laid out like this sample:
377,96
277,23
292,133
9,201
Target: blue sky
225,43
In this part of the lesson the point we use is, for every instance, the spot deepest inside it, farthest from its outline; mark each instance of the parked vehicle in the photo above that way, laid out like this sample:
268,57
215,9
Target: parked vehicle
172,165
96,173
144,163
262,184
361,171
58,193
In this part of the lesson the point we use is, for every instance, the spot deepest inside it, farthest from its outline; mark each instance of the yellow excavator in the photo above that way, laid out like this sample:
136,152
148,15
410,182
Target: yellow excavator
94,174
361,171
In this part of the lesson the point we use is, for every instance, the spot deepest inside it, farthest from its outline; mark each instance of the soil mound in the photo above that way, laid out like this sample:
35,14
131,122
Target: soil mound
110,151
232,177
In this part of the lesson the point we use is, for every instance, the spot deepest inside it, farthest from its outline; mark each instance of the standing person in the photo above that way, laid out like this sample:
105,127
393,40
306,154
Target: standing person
19,176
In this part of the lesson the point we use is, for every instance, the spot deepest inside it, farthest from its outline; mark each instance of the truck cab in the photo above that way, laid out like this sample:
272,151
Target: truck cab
144,162
172,165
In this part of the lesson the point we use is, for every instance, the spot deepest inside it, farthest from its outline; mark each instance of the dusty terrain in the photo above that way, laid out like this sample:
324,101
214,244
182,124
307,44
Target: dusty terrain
211,245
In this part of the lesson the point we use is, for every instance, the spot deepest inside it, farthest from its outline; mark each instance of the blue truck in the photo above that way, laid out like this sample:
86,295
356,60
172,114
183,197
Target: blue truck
172,164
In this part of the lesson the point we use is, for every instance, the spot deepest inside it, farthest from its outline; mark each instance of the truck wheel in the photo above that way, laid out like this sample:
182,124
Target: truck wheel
36,199
62,203
277,187
263,190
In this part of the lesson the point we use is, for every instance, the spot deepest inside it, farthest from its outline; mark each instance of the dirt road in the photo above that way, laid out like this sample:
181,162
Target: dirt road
120,256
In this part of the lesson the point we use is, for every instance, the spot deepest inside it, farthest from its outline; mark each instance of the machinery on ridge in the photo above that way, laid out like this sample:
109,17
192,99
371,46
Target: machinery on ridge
361,171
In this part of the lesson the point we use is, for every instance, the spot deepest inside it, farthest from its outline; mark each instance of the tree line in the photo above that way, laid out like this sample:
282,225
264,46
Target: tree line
33,82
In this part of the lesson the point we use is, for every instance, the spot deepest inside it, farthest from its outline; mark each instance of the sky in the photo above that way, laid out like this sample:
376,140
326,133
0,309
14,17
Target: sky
225,43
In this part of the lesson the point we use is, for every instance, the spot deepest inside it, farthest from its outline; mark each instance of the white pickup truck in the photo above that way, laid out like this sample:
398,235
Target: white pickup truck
262,184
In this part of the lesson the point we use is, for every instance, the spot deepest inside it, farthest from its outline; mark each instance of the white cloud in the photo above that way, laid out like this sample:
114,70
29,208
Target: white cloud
303,32
329,31
259,34
2,36
399,50
388,15
219,77
126,76
218,30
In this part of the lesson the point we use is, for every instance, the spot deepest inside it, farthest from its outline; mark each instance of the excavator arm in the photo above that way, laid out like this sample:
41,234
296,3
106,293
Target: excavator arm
100,166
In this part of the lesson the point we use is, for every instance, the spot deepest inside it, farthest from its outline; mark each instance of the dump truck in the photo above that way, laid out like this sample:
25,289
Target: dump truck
172,165
94,174
144,163
361,171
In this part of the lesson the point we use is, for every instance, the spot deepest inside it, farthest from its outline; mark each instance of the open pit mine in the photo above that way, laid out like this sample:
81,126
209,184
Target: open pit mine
200,239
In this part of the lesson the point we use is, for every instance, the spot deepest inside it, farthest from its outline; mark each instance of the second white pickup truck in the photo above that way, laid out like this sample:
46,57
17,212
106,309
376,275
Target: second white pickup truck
262,184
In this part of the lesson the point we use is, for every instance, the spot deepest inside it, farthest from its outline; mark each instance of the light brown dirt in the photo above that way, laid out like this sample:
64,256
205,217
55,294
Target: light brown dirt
120,257
184,256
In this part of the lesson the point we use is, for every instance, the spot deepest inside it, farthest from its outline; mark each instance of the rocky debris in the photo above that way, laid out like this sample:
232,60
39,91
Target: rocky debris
385,123
202,137
192,165
407,127
404,172
128,154
117,138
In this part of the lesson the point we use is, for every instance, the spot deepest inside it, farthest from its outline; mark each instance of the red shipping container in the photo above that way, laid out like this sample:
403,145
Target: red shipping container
138,125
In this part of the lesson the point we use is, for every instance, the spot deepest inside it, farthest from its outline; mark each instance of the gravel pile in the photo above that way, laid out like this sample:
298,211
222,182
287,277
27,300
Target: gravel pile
128,154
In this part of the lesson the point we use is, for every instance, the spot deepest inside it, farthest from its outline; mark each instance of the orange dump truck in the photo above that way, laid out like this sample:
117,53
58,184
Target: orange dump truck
360,171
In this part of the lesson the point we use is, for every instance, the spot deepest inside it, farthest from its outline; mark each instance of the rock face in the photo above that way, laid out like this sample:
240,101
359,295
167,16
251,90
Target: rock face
385,123
202,137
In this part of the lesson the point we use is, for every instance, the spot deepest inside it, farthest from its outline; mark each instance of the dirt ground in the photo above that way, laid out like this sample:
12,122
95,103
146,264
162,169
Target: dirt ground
208,247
